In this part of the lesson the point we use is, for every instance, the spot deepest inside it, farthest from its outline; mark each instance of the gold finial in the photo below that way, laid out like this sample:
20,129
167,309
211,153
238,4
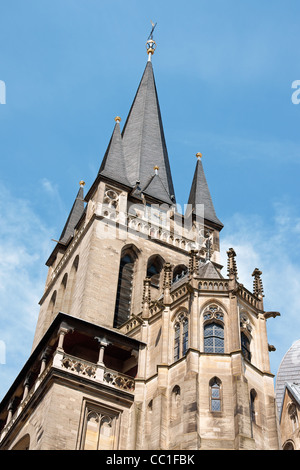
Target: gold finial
151,44
156,168
81,183
117,119
199,155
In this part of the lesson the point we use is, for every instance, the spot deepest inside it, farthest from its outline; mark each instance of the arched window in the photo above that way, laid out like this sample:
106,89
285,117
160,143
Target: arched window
177,342
179,272
185,336
292,412
175,402
253,395
99,431
52,303
215,395
70,291
154,268
124,290
23,443
148,424
245,343
61,293
181,336
288,446
213,338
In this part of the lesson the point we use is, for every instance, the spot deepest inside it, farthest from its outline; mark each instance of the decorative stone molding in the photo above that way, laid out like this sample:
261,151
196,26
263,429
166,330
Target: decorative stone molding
257,283
245,323
213,312
231,264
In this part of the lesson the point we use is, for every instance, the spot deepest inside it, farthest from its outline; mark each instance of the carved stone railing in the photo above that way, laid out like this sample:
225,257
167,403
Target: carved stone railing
97,372
247,296
24,402
179,292
159,232
213,284
118,380
79,366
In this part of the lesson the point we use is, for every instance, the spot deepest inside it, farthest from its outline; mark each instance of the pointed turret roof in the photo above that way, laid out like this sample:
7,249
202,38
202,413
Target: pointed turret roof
209,271
113,163
74,216
144,142
200,194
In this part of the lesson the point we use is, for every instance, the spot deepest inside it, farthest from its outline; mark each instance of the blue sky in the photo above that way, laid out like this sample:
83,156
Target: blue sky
224,72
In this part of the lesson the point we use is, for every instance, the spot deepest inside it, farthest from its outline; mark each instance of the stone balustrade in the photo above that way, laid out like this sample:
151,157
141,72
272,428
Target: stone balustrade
77,367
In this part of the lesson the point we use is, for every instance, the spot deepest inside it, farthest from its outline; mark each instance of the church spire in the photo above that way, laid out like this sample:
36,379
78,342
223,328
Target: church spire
74,216
200,194
143,138
132,155
113,164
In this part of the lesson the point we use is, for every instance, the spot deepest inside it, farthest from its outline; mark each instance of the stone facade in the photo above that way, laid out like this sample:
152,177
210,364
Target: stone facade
188,368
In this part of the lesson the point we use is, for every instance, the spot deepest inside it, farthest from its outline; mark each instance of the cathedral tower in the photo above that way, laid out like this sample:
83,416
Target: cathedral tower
142,342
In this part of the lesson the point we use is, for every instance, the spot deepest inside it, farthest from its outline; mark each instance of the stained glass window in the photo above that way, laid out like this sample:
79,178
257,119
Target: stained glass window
213,338
245,342
215,395
176,342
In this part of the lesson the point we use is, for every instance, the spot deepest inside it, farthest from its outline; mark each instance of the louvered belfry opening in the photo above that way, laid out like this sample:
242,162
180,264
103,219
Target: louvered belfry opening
124,292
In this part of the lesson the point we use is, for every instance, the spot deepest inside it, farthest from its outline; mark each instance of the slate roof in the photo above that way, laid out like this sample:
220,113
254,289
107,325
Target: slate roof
74,217
200,194
113,163
209,271
288,371
130,157
144,141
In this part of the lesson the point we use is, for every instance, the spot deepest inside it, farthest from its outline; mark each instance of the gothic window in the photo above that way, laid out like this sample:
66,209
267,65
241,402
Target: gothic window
154,268
252,405
292,412
99,432
175,402
23,443
52,303
61,293
246,329
289,446
185,336
245,343
179,272
215,395
68,298
124,290
148,424
213,330
177,342
181,336
111,198
214,338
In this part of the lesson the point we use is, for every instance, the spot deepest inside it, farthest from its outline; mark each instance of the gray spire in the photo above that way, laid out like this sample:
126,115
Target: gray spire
74,217
113,163
144,142
200,194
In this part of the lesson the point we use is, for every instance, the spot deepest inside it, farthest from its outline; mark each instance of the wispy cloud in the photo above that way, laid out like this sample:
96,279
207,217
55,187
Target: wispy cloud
272,246
24,244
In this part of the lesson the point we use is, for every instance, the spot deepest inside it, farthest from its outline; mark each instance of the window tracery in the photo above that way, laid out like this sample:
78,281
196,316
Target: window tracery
181,335
246,337
99,432
215,395
213,329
